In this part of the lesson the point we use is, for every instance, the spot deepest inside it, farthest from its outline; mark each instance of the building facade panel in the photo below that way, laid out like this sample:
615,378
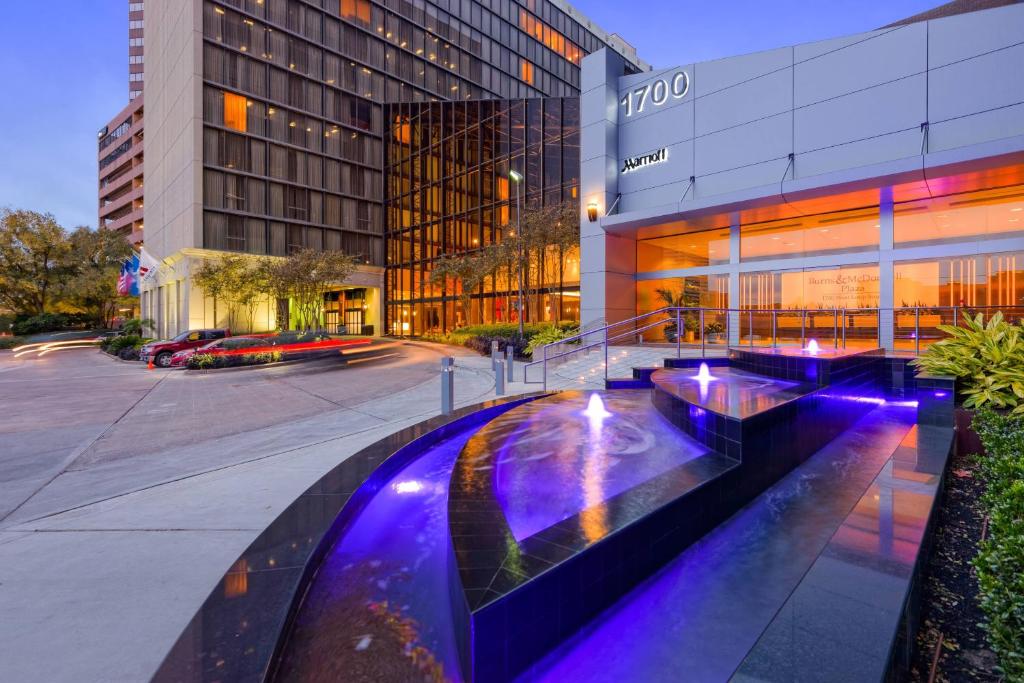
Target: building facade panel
890,181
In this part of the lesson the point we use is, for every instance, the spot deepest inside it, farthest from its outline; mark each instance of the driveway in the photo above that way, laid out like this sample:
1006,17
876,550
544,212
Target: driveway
125,493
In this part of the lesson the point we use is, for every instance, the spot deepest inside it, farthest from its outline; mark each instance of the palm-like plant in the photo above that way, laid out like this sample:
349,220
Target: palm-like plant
987,359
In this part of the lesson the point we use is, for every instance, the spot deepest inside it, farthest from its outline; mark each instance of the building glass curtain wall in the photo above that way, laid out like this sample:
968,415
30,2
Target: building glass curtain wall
448,192
293,98
977,264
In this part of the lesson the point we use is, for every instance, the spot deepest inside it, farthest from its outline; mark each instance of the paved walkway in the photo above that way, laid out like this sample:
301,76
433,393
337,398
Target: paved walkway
126,493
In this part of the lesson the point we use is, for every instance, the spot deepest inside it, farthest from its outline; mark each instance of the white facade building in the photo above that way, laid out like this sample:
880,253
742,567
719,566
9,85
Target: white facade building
876,171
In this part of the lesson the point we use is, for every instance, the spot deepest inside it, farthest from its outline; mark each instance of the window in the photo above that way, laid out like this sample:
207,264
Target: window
234,111
356,9
977,215
526,71
709,247
845,287
833,233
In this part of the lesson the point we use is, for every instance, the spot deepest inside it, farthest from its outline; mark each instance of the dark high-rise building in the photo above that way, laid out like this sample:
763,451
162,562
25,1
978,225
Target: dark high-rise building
266,119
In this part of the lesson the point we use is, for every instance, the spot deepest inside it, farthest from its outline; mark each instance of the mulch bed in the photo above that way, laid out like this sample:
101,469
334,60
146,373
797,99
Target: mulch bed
949,604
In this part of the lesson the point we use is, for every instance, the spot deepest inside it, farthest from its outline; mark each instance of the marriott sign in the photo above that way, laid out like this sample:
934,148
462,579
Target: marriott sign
638,162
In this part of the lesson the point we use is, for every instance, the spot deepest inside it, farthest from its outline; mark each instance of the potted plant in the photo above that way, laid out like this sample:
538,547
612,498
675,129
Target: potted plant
688,296
987,361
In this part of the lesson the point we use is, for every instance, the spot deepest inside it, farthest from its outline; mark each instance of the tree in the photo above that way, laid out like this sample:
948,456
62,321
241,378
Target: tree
95,259
34,251
307,275
237,280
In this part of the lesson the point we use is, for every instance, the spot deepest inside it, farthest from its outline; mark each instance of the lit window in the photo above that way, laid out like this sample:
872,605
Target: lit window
356,9
526,71
234,111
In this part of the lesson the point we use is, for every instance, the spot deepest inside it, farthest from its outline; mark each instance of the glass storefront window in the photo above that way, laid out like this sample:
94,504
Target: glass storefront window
988,214
706,291
989,280
833,233
707,248
848,287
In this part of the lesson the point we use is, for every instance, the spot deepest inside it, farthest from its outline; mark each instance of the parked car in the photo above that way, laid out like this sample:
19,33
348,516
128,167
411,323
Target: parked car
217,348
160,352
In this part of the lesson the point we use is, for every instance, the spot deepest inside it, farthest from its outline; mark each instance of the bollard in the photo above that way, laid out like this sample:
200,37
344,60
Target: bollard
499,378
510,354
495,355
447,385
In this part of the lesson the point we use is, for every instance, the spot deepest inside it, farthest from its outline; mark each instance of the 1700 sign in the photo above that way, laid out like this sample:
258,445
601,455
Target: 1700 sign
657,93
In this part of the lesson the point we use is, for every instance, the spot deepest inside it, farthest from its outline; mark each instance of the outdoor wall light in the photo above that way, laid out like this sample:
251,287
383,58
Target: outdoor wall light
592,212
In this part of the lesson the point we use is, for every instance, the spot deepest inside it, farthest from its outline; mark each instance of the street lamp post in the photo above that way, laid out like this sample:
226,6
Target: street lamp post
517,178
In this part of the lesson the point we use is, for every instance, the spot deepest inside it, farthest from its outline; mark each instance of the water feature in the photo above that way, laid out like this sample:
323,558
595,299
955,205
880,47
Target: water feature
812,347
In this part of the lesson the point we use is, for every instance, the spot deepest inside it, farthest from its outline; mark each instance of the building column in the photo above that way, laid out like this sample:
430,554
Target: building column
607,262
886,284
734,280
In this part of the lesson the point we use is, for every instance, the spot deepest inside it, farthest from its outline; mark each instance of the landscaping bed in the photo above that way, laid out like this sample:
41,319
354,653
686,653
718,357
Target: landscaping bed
479,337
949,599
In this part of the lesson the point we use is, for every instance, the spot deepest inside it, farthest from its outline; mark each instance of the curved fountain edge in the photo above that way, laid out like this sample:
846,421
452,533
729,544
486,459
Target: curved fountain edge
199,654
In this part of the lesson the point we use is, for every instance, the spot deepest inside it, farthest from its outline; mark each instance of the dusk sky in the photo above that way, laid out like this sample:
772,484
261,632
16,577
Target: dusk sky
64,66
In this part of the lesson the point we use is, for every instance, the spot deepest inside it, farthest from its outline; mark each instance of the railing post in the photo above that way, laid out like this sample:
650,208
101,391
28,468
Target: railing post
510,354
703,331
835,328
606,356
447,385
917,330
803,328
955,309
775,328
844,329
750,326
544,366
679,336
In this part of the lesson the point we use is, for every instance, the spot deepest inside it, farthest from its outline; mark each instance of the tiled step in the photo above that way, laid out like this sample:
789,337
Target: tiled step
853,615
641,379
717,362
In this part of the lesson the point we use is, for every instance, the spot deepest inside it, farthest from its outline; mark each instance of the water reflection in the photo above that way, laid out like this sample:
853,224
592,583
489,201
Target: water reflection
380,605
553,459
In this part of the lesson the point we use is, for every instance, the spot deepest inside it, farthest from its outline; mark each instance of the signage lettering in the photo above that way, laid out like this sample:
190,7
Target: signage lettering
659,92
634,163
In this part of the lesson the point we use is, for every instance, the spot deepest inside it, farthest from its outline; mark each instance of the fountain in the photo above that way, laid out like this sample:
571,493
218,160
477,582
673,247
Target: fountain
595,408
704,375
812,347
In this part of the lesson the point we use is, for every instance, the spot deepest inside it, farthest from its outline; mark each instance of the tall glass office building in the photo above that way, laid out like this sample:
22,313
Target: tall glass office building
270,126
449,192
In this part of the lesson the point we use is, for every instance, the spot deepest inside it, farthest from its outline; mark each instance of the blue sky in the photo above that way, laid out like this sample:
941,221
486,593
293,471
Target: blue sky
64,66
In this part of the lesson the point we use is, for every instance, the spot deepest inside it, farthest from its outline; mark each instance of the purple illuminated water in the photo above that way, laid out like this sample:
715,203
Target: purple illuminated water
556,459
380,606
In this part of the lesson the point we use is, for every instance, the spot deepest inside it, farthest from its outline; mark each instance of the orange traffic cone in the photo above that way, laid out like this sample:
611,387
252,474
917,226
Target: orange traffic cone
150,366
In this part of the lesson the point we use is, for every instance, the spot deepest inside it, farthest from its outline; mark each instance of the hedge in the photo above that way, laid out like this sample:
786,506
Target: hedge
479,337
1000,560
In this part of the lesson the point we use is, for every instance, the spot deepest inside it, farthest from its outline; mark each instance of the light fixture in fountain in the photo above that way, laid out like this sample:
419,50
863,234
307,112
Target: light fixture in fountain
595,408
704,375
812,348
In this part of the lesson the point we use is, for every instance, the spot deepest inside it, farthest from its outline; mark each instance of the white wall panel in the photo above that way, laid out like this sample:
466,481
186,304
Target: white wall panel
744,145
751,100
978,84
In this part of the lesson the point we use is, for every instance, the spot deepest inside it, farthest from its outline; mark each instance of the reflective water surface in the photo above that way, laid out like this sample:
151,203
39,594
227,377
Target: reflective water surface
380,604
556,457
727,391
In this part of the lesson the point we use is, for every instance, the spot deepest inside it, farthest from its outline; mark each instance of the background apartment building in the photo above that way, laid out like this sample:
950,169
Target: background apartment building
266,120
120,147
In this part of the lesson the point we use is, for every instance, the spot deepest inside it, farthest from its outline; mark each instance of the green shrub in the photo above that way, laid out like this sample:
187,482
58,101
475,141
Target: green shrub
988,361
1000,560
202,361
114,345
48,322
10,342
480,337
135,326
548,335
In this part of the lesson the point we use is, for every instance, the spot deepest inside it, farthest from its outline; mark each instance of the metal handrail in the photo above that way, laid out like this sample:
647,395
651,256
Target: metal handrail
841,319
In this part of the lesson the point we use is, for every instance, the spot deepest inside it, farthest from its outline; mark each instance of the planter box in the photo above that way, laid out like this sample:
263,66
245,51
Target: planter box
967,440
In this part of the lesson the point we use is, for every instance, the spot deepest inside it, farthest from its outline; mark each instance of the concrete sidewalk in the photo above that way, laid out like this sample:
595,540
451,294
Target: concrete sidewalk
103,566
